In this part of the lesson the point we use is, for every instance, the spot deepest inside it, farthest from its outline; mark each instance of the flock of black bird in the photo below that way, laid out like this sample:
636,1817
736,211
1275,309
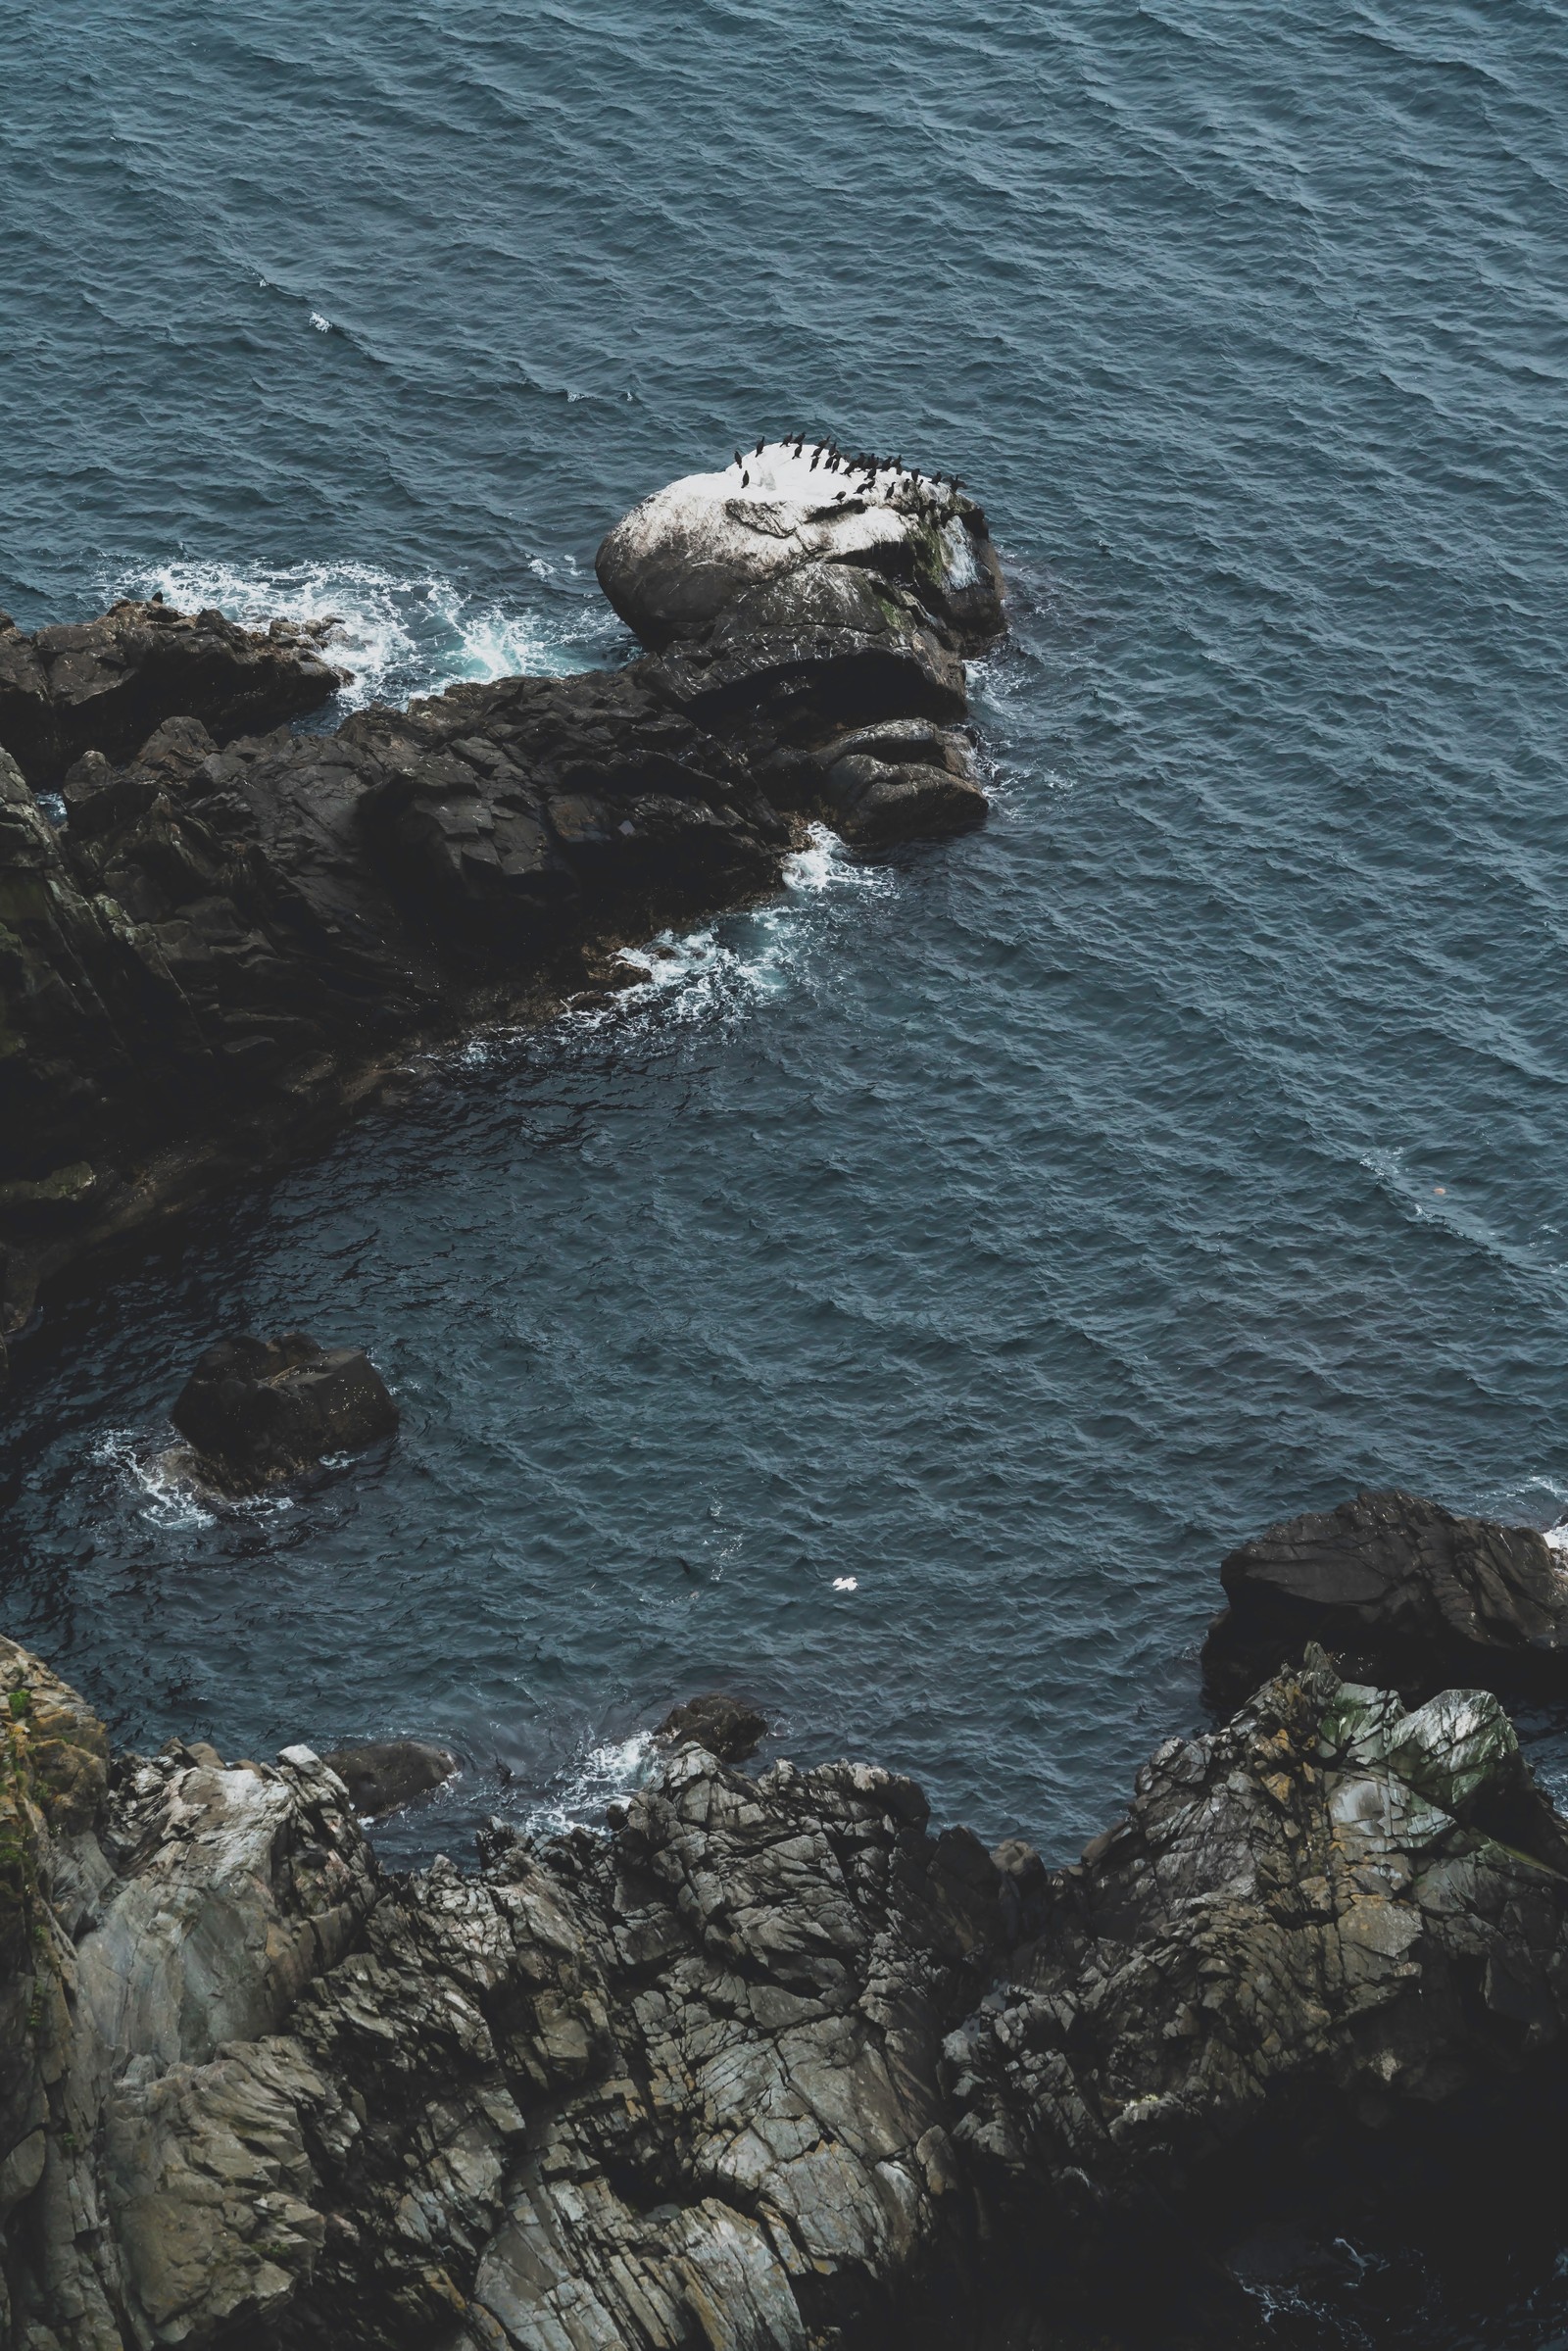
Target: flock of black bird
861,474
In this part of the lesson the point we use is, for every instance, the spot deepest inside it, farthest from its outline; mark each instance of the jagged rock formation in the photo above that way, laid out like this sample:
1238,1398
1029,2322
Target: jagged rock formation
256,1409
1399,1590
228,943
769,2065
101,686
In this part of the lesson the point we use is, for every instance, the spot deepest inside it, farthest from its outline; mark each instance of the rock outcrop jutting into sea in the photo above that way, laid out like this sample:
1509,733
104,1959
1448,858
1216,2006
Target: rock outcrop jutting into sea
767,2066
233,936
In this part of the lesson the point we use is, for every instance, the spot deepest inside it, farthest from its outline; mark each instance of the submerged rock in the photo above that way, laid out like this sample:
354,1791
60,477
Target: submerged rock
382,1775
769,2064
1399,1589
256,1409
724,1726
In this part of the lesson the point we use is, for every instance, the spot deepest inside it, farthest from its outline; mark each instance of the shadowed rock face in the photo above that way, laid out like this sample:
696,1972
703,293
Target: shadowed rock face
103,685
231,939
767,2064
256,1409
1399,1589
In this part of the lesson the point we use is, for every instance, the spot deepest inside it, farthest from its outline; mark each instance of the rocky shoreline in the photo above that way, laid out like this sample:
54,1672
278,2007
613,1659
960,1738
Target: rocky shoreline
765,2064
232,939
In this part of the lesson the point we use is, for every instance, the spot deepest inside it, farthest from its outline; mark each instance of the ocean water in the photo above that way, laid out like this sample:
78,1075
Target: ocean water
895,1311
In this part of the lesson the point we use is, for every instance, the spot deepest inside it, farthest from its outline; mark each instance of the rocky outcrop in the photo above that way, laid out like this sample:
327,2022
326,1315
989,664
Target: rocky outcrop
1399,1590
102,686
726,1727
259,1409
765,2065
230,943
818,604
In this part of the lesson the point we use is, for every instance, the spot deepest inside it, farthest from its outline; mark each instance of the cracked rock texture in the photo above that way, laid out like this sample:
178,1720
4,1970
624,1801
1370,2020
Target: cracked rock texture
233,936
765,2065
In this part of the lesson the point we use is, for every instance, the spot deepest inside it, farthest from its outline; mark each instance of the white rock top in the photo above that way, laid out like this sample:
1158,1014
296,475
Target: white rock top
683,553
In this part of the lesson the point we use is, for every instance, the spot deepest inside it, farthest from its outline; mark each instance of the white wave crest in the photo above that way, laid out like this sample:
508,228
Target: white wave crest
399,635
595,1779
691,975
158,1476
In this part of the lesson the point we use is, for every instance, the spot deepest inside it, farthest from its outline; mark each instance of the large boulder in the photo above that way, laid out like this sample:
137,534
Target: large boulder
382,1775
105,684
674,565
1399,1590
1314,1931
802,598
256,1409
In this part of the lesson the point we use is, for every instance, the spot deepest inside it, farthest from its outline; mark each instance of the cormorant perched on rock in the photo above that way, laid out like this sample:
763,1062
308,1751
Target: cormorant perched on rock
813,466
746,479
761,446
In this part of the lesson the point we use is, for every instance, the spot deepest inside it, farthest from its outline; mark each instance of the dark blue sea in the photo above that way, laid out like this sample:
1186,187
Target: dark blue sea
895,1311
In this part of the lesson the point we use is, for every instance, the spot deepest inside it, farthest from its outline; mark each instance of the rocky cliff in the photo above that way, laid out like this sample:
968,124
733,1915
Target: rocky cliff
766,2064
231,936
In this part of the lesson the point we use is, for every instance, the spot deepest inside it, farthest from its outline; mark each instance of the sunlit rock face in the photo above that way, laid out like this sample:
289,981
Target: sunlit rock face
676,561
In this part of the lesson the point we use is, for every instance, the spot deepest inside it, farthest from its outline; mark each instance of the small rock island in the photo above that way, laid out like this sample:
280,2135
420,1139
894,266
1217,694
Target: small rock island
769,2063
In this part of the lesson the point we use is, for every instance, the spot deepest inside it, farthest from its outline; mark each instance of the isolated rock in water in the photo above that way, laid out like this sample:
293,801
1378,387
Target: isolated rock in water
262,1408
1397,1590
384,1773
722,1725
105,684
674,563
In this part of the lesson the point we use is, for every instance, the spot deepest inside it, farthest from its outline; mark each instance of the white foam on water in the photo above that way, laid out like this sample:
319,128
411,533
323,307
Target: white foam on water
846,1583
598,1777
399,635
163,1496
693,974
323,326
154,1474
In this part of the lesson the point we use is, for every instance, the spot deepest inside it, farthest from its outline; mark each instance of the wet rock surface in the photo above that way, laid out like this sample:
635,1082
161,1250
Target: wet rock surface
1399,1590
769,2064
382,1775
104,685
235,936
259,1409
